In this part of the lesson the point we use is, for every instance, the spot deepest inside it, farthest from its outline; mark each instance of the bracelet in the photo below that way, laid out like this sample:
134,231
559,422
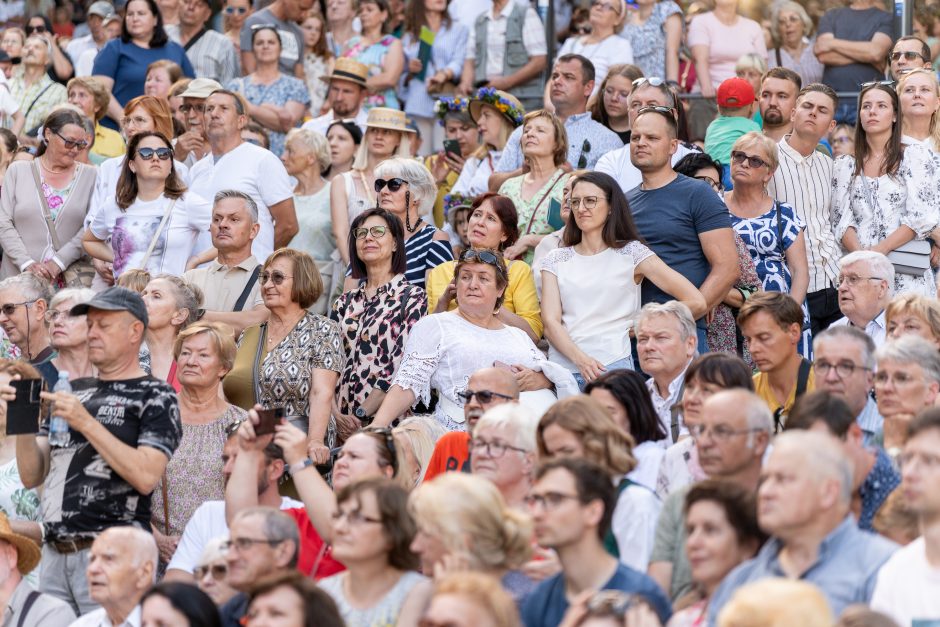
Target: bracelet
293,469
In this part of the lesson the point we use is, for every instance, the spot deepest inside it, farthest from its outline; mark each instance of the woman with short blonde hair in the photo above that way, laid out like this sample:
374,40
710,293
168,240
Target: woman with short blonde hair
919,95
913,314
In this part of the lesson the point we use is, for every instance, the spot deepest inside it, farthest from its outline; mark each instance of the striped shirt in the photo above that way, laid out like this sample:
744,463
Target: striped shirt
212,54
447,53
805,183
424,253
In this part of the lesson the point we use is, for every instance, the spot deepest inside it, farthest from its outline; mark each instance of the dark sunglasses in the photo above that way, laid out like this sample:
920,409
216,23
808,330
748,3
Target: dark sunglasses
81,144
389,439
393,184
375,231
909,55
585,149
484,396
186,108
233,10
35,29
7,309
483,256
886,83
739,158
219,571
275,277
147,153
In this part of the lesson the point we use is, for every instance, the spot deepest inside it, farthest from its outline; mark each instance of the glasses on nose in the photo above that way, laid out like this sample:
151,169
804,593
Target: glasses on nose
927,460
716,185
218,572
589,202
147,154
275,277
549,500
899,379
354,518
7,309
243,544
853,279
739,158
234,10
493,448
136,121
81,144
375,231
484,396
908,55
199,108
606,6
393,184
844,369
720,433
790,19
52,315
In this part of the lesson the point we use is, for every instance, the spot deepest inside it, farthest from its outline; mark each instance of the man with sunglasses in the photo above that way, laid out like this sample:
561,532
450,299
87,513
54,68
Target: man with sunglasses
909,53
193,144
210,52
24,300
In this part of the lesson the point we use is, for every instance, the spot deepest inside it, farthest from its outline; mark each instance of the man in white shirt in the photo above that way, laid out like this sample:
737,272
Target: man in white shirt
908,584
239,165
866,284
97,37
111,27
193,144
347,93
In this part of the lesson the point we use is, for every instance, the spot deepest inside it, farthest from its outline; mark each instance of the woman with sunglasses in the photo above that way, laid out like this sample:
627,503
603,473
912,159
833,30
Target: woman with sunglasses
493,225
919,95
67,188
379,311
885,196
211,572
234,14
68,334
654,30
444,349
591,287
153,221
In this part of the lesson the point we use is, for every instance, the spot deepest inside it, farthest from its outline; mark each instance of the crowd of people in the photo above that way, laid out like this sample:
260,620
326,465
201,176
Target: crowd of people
369,313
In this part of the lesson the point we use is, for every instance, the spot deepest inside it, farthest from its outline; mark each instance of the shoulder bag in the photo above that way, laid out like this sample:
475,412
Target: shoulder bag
911,258
547,193
156,235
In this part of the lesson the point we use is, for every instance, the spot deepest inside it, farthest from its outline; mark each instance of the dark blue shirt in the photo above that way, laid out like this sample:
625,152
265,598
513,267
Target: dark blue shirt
547,604
880,482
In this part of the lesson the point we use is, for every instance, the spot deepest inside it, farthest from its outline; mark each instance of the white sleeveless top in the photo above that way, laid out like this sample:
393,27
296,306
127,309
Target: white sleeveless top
384,613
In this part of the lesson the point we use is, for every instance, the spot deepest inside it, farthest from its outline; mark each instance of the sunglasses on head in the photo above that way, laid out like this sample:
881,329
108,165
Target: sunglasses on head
483,256
275,277
389,438
375,231
393,184
81,144
147,153
740,157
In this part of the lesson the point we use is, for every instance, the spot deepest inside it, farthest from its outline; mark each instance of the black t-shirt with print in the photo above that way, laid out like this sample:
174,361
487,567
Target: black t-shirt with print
82,494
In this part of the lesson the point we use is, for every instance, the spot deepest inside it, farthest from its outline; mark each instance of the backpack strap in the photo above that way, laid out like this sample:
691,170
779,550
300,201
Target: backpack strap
31,599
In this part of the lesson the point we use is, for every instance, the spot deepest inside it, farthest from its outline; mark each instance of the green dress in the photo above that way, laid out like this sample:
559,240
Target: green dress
534,213
315,237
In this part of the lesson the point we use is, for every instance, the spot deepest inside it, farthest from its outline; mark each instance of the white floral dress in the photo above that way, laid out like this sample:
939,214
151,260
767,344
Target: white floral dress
910,197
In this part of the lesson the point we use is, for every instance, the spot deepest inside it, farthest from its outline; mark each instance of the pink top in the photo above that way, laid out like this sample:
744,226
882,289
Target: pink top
726,44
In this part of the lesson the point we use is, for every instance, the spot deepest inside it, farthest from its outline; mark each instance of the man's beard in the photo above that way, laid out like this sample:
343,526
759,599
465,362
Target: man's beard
773,117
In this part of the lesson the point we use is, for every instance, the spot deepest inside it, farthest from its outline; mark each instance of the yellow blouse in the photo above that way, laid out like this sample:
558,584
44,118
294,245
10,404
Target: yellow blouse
108,143
521,298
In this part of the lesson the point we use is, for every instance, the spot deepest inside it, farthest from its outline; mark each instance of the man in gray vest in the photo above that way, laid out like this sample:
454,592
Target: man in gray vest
507,50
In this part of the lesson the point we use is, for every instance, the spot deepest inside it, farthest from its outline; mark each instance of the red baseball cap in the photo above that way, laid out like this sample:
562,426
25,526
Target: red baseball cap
735,93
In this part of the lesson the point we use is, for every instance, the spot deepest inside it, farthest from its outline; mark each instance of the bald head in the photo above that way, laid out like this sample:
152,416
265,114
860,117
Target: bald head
122,565
496,381
735,431
136,543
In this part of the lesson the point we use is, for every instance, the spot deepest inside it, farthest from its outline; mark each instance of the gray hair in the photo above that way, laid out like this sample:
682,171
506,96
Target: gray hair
75,295
518,419
420,182
822,454
912,350
144,546
849,333
793,7
671,308
313,141
250,203
30,285
276,527
185,295
878,264
214,550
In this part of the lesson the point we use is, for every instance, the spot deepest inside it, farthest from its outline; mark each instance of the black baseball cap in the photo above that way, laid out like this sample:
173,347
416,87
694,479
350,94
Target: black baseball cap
115,299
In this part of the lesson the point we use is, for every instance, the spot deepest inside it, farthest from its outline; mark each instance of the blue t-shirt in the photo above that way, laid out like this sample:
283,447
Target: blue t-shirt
547,604
670,220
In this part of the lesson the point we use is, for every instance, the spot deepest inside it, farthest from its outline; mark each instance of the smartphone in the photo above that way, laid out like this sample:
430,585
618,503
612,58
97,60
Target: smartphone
452,146
268,419
23,411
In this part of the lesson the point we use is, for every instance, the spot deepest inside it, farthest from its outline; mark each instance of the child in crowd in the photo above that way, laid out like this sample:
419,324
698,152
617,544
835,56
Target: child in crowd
736,101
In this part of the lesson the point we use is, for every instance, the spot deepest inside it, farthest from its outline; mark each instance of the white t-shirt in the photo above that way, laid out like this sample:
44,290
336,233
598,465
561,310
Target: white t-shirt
634,525
254,171
617,164
132,230
649,457
603,54
106,184
475,176
322,123
908,588
598,299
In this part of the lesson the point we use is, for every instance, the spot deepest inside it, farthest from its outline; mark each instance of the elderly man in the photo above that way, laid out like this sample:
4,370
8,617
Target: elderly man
193,144
731,442
240,165
845,366
262,541
909,53
121,568
124,428
804,503
36,93
347,93
24,300
777,99
874,477
210,52
487,387
230,286
24,606
666,341
866,284
907,381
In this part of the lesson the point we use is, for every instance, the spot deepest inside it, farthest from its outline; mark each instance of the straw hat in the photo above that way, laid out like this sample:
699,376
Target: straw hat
390,119
27,551
346,69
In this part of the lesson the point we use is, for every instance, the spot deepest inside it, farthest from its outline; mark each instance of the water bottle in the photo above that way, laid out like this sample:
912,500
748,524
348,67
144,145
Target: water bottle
58,426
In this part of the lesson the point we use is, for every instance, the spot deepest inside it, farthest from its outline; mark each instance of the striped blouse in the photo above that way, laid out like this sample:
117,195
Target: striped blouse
424,253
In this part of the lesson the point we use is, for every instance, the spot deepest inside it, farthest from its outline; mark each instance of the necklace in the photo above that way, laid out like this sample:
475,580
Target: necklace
272,337
45,167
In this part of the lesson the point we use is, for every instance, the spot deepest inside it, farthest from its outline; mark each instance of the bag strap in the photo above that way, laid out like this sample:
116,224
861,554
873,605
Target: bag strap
156,235
166,505
31,599
256,364
802,378
243,297
777,52
783,250
46,213
36,99
535,211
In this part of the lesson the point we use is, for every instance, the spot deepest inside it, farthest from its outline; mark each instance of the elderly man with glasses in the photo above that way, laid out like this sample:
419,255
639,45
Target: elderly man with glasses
866,284
24,300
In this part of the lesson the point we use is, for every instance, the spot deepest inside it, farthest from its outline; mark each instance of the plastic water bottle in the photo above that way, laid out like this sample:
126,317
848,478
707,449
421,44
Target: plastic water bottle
58,426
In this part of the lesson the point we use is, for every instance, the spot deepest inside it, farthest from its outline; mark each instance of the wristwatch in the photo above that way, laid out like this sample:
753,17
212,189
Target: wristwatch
360,413
296,467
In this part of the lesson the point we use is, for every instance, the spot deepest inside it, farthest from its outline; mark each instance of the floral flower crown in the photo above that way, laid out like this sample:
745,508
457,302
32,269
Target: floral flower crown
456,200
442,107
501,104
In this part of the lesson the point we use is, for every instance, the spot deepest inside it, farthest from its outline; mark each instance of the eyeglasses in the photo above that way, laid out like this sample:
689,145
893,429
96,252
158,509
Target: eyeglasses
606,6
899,379
389,438
81,144
136,121
275,277
493,449
483,256
393,184
7,309
853,279
354,518
375,231
52,315
589,202
243,544
585,149
186,108
928,460
549,500
909,55
716,185
163,154
844,369
234,10
484,396
790,19
720,433
739,158
218,571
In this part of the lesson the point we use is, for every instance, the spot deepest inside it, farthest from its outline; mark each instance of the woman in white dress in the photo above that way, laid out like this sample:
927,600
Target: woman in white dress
497,114
886,196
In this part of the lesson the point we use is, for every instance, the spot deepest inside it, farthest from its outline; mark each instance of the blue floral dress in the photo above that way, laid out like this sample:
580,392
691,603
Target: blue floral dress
279,93
374,57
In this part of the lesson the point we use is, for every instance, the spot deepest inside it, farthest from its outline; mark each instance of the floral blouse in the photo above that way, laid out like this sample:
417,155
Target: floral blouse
285,89
722,331
373,56
373,333
648,39
316,66
534,212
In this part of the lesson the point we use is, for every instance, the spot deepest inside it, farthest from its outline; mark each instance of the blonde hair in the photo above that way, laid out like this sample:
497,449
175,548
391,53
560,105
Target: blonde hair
604,442
483,591
926,309
315,142
222,336
134,279
505,130
776,602
362,154
420,433
751,61
935,118
560,152
471,518
765,144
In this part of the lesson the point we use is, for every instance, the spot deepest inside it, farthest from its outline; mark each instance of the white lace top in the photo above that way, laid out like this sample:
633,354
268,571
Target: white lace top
599,298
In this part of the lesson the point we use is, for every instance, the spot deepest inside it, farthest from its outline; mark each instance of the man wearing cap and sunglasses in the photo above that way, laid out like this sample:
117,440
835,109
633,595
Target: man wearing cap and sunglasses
123,428
210,52
194,143
347,93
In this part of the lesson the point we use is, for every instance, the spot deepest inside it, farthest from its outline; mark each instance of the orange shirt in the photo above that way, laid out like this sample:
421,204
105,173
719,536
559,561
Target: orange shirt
452,452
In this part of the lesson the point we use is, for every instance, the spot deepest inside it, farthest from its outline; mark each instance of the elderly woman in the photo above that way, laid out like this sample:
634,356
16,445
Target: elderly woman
493,225
602,46
454,116
907,381
53,185
537,194
591,286
344,139
379,312
610,107
842,140
496,114
275,101
380,51
791,27
68,334
92,98
21,505
211,572
293,360
160,78
752,67
306,156
153,221
579,427
406,189
654,30
919,96
204,354
913,314
509,427
444,349
351,193
172,305
886,195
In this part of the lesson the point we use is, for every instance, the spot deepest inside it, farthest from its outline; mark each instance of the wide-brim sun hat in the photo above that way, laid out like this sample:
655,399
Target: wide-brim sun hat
346,69
27,551
389,119
505,103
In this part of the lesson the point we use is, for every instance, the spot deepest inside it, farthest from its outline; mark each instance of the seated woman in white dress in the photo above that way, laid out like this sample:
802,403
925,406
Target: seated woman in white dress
444,349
